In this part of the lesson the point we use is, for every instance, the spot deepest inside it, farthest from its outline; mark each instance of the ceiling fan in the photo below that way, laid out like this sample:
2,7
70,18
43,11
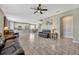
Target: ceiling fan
39,9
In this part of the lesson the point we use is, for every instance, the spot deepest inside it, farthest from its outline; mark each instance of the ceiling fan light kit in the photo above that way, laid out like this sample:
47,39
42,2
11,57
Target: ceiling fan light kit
39,11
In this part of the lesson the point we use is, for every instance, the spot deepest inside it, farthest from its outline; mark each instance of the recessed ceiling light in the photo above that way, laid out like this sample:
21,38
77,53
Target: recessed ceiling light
41,20
57,11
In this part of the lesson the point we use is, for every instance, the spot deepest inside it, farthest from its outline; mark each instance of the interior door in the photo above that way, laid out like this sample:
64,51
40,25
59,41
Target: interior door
67,26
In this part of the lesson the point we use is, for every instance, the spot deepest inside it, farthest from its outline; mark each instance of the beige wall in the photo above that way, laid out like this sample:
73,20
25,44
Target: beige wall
1,21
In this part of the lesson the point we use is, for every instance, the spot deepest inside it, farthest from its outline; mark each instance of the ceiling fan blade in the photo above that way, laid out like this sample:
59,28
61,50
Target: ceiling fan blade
35,12
39,7
43,9
41,12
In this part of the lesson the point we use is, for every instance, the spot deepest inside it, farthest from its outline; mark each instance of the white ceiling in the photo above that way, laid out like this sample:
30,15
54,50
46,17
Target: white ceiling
24,13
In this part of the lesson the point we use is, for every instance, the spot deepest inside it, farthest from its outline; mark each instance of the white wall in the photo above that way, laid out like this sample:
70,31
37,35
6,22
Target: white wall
57,19
46,26
11,24
75,14
76,25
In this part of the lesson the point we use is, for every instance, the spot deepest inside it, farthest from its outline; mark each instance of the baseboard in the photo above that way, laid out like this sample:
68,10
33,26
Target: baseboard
75,41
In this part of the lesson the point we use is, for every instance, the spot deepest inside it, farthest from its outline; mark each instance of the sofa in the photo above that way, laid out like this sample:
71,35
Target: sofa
15,34
10,46
12,35
13,49
45,33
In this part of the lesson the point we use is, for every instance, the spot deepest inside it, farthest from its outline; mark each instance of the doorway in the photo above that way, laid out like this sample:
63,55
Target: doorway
66,27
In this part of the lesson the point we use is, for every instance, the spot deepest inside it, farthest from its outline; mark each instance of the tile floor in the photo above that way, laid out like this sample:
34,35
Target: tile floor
35,45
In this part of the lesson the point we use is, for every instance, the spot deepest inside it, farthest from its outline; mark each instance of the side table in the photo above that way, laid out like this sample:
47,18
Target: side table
54,35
